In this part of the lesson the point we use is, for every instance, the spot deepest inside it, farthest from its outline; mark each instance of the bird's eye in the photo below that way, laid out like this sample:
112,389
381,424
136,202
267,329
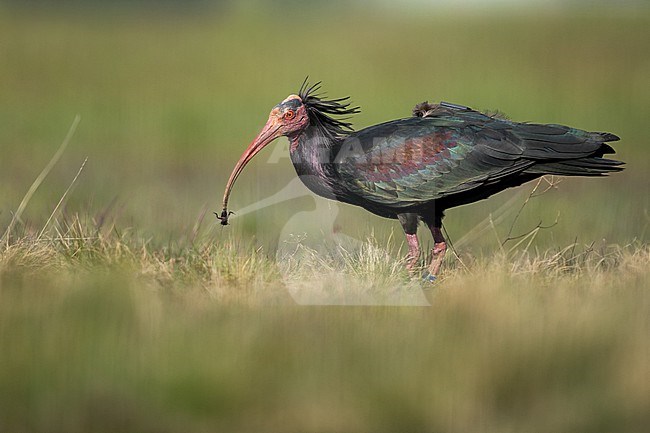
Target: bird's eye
289,114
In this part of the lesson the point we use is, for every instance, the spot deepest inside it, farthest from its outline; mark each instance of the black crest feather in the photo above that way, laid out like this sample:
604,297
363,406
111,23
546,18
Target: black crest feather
320,110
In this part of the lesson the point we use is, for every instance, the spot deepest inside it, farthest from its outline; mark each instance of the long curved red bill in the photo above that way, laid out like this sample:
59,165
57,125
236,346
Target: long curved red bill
270,132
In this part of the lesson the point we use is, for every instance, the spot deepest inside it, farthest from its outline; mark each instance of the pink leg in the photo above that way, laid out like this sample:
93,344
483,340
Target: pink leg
414,252
438,251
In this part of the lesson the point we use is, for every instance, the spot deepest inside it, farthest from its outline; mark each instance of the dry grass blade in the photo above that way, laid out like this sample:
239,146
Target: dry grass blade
495,217
65,194
552,183
39,179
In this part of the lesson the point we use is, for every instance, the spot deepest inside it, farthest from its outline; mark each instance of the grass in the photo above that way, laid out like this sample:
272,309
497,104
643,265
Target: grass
124,306
105,332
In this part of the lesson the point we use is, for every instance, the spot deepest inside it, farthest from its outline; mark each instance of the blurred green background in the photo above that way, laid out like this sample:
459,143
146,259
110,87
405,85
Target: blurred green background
170,96
111,334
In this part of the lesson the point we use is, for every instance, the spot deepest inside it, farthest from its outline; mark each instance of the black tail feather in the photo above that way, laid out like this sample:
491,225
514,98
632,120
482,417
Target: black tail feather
607,136
591,166
565,151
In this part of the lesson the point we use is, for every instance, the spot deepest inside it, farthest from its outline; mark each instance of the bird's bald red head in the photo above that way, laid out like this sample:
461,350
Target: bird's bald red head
288,118
291,114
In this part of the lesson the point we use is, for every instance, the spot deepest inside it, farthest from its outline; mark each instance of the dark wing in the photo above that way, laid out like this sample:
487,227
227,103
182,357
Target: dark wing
412,161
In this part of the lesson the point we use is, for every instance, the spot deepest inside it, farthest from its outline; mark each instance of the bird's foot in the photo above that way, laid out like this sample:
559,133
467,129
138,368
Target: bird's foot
428,277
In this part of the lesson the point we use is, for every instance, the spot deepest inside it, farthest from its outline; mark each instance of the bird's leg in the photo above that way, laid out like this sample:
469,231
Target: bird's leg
439,247
409,223
414,252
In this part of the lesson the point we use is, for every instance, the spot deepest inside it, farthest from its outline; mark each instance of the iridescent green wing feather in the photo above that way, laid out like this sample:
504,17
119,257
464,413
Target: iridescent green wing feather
410,161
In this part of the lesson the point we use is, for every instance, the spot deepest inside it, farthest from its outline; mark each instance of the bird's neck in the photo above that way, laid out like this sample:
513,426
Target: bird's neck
312,155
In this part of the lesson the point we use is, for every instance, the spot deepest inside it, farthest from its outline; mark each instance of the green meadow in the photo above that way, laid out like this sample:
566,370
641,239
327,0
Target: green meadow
125,305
